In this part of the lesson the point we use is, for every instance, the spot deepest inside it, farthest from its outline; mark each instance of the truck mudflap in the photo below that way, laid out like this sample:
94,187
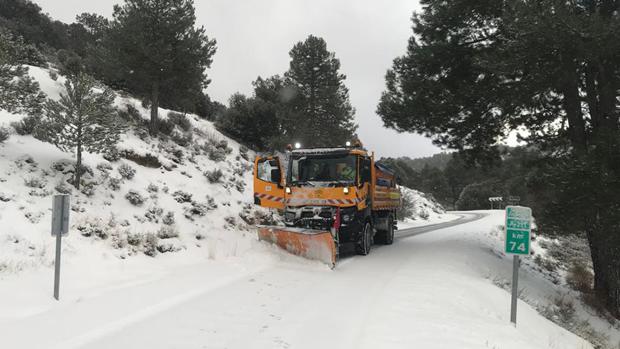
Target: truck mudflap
309,243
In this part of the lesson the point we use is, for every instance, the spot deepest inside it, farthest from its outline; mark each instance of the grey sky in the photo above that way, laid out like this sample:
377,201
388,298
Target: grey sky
254,38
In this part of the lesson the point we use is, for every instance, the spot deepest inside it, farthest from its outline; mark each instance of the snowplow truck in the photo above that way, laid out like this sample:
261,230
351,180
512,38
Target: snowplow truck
329,198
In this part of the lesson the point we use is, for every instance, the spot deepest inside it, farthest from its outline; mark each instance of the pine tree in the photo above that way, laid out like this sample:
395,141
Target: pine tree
321,114
476,69
82,120
18,91
162,53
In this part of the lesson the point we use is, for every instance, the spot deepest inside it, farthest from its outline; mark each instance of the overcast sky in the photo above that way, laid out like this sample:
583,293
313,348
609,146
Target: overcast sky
254,38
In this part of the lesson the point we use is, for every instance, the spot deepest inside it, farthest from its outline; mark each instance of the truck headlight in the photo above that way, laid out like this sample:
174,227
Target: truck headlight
345,190
288,190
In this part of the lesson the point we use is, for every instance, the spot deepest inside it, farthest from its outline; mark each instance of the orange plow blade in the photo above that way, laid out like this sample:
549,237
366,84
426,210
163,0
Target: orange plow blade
308,243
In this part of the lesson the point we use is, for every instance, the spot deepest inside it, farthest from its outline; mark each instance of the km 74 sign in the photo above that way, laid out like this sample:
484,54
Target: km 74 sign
518,230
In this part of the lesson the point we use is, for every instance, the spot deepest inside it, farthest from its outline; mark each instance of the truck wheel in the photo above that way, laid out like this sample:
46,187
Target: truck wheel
365,242
389,233
386,237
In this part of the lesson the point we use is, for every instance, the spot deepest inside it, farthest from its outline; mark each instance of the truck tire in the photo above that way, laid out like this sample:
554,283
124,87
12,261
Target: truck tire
364,244
386,237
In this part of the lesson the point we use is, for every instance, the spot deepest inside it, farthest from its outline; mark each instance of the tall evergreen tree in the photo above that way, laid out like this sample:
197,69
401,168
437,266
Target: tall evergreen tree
18,91
320,111
162,52
82,120
475,69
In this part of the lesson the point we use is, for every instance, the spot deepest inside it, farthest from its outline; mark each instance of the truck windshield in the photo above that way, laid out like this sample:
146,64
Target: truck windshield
340,170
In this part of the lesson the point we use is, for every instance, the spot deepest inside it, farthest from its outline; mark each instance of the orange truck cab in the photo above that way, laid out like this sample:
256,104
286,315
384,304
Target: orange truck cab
342,191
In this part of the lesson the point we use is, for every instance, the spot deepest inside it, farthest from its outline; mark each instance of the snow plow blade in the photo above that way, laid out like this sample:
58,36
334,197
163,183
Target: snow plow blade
308,243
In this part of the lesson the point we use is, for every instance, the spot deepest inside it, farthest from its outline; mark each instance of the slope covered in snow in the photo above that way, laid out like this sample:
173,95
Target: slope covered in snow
421,209
184,193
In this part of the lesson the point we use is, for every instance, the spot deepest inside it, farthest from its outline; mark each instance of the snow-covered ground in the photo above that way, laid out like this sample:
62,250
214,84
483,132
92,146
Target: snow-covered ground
132,277
434,290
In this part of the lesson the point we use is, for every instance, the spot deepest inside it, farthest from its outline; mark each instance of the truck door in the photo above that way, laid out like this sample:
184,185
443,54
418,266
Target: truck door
268,186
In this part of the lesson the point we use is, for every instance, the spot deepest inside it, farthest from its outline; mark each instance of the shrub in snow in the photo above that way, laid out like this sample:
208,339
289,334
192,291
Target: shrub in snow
243,152
231,221
168,246
34,217
146,160
27,125
424,214
167,232
181,196
150,245
168,219
217,155
4,197
200,209
63,187
406,210
126,171
152,188
34,182
88,188
580,277
4,134
180,120
177,156
183,139
94,228
153,214
131,114
134,239
165,127
104,167
135,198
114,183
214,176
112,155
239,185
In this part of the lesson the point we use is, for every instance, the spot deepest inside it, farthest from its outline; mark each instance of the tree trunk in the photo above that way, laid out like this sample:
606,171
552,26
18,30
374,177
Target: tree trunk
605,251
572,107
154,108
78,166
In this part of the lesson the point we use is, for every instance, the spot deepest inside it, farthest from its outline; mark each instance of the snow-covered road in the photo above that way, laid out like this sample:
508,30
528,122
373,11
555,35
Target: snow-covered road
425,291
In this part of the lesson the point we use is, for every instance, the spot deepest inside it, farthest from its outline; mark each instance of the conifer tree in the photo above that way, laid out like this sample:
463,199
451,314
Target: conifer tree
321,112
162,53
84,119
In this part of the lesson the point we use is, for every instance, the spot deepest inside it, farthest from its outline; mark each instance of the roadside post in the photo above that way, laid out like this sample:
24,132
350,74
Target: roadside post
60,227
518,231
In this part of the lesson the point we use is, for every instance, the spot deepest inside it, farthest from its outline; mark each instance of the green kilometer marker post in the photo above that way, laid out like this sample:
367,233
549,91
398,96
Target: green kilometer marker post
518,229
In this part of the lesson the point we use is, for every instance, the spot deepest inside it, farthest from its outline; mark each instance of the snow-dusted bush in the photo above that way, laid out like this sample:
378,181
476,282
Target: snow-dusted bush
181,196
214,176
135,239
167,232
154,213
34,182
165,127
94,228
134,197
200,209
217,154
114,183
164,246
112,155
183,139
406,210
63,187
4,134
146,160
150,244
152,188
126,171
180,120
580,277
88,188
168,219
243,152
104,167
27,125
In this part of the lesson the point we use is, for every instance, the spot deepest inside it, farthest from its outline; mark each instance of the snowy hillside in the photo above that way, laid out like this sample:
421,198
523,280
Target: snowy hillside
186,192
420,209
